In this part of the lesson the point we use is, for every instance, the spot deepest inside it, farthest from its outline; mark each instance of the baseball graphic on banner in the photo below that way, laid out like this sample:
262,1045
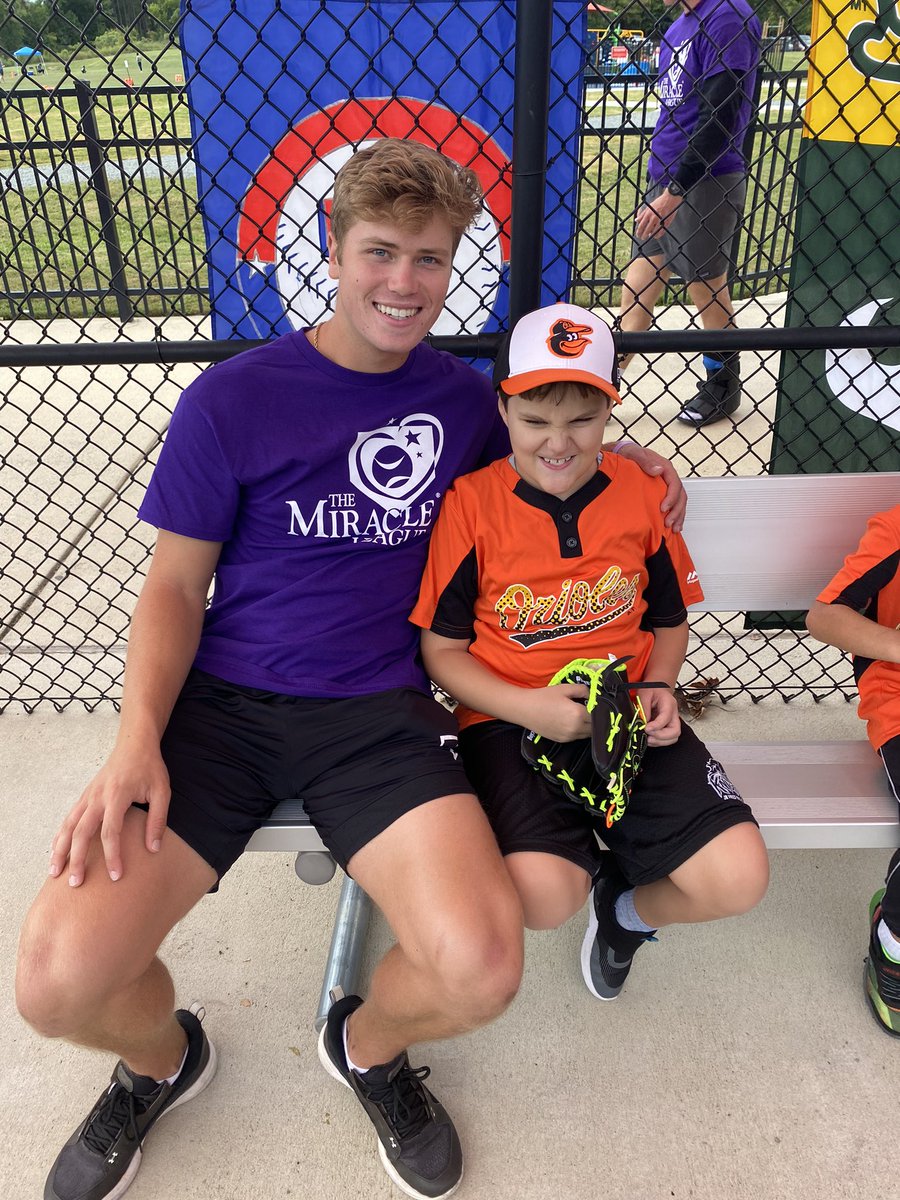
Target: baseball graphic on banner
282,231
859,382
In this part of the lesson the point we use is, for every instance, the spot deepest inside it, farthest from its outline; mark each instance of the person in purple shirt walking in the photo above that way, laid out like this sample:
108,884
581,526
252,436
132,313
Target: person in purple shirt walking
303,479
697,183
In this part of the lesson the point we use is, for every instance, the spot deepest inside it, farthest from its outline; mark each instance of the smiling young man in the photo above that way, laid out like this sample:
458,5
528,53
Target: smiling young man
558,552
303,477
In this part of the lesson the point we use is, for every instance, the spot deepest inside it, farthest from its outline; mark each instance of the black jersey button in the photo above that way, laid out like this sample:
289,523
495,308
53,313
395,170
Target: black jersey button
571,543
566,516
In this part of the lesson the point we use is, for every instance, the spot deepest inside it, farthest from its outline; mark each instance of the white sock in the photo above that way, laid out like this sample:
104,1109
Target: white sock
350,1063
172,1078
889,943
628,916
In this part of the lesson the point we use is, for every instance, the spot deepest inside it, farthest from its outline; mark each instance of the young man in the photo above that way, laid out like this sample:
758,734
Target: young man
859,611
304,477
697,182
545,557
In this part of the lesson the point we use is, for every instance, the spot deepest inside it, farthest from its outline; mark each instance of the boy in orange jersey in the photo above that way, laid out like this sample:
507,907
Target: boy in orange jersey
859,611
558,553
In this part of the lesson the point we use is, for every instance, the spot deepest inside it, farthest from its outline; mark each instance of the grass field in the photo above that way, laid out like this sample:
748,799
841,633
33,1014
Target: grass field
153,63
50,229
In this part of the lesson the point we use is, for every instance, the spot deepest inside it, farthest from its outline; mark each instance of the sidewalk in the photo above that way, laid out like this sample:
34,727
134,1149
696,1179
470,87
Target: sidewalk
740,1062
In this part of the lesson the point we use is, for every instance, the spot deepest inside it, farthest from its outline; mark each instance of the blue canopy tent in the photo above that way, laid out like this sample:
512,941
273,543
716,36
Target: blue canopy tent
28,57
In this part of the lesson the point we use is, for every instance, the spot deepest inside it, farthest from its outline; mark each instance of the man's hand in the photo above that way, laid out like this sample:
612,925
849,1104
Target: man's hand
558,713
663,721
674,503
655,217
125,779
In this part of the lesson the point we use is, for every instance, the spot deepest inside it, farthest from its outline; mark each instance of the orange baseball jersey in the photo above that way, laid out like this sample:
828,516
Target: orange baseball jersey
869,583
534,581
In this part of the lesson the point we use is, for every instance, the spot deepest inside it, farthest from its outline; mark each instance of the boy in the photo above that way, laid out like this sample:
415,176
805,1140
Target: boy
304,475
859,611
557,553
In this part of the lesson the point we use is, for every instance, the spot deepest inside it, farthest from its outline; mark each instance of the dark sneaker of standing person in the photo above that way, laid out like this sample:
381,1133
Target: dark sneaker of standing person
417,1141
102,1157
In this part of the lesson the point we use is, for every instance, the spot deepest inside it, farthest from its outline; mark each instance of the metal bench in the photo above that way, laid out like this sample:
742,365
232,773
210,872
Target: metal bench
768,544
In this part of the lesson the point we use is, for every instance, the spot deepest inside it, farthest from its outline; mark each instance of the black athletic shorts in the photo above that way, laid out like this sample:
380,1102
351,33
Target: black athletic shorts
358,764
682,799
696,244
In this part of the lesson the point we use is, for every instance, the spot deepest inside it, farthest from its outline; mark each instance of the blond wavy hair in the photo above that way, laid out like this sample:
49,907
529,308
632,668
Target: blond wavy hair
406,183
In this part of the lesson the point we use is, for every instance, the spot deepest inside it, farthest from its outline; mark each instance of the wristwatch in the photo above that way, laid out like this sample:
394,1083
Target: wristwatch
675,188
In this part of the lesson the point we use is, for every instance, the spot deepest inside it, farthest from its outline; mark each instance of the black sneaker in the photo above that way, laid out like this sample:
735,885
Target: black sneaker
417,1142
608,950
101,1158
882,975
718,396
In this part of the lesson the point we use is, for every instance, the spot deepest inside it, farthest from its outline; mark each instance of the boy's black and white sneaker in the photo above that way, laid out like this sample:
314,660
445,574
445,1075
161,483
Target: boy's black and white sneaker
101,1158
608,950
417,1141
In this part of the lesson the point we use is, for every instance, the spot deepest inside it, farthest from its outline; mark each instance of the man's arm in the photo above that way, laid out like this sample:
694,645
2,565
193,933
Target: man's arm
844,627
721,96
163,639
554,712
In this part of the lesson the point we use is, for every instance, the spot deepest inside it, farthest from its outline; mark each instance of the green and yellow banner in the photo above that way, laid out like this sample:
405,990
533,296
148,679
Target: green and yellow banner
839,410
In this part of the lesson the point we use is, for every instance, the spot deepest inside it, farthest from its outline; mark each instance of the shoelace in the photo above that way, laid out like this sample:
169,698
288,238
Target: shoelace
117,1111
402,1100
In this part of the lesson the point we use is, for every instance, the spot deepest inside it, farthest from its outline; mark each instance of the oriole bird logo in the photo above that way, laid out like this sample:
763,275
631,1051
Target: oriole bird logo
567,339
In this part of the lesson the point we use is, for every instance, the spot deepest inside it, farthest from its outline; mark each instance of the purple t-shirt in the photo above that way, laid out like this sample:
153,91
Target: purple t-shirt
714,36
323,485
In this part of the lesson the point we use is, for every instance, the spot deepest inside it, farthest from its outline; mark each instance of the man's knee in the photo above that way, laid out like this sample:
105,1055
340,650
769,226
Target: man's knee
478,966
66,969
48,982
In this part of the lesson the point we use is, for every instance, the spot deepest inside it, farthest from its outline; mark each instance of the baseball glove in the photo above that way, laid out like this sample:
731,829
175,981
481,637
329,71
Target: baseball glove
597,772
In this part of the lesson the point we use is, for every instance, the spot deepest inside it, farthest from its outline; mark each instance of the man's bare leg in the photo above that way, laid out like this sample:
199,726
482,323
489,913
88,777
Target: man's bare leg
642,287
87,968
438,877
712,299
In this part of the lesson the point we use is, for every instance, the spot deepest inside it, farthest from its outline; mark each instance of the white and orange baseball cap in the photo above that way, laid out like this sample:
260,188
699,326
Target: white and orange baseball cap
561,343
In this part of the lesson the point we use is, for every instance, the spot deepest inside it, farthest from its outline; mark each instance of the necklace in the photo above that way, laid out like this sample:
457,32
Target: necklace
316,337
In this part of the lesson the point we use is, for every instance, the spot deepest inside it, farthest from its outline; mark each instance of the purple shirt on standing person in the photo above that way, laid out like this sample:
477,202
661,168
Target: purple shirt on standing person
322,484
714,36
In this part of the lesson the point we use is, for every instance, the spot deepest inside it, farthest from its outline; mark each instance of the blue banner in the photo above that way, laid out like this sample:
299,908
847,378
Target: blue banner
280,96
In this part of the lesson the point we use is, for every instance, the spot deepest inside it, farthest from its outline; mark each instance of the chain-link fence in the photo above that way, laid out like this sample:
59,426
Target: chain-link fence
123,259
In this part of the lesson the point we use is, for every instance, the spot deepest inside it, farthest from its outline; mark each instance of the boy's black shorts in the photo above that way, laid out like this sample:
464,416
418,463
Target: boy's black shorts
681,801
358,764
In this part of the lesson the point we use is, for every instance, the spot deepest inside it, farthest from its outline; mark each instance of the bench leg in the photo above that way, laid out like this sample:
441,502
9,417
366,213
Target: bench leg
348,939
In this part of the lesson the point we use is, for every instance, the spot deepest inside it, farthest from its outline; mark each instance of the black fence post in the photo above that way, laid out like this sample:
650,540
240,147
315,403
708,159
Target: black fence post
100,185
531,116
